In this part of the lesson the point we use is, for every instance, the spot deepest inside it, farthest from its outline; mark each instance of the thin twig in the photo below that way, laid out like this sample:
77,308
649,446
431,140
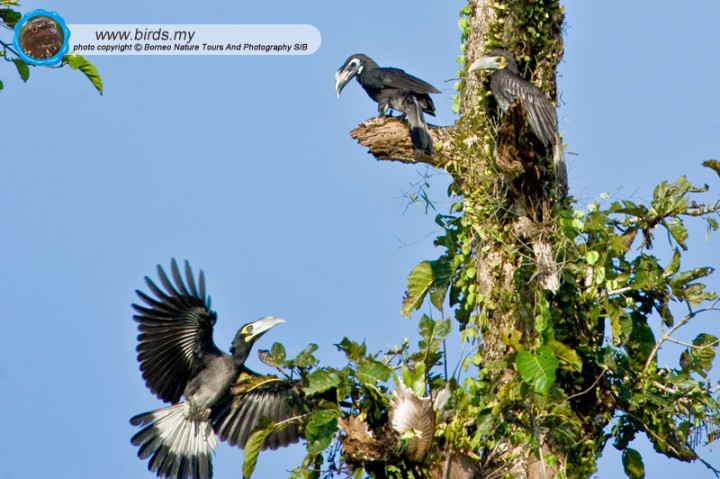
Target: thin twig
592,386
8,47
693,346
666,335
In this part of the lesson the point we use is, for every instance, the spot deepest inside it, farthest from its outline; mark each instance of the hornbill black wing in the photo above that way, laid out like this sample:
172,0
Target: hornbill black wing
397,78
274,398
508,87
175,331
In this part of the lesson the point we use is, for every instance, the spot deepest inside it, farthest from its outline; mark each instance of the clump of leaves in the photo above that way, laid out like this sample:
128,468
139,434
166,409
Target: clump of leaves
347,425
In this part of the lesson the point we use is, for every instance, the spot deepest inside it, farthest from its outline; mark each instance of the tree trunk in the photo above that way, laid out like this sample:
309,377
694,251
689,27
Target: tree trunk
496,173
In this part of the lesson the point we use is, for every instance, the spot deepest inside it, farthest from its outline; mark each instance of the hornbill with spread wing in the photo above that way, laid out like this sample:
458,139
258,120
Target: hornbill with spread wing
395,89
178,358
507,87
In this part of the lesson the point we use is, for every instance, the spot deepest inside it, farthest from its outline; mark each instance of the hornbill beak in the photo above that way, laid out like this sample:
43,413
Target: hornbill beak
261,326
344,75
487,63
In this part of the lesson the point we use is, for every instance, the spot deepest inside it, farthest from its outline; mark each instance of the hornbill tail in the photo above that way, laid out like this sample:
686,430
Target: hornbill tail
179,443
561,179
419,133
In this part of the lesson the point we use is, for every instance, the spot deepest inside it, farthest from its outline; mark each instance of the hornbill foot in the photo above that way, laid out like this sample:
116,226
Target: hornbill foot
388,114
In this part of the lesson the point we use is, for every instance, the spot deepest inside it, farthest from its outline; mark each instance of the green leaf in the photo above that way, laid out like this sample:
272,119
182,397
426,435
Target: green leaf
692,293
648,274
678,231
674,265
10,16
310,468
432,334
695,294
699,358
713,165
78,62
254,445
320,381
633,464
667,317
685,277
22,69
353,351
275,357
1,85
415,378
537,370
320,430
640,343
278,352
442,275
615,314
566,354
434,331
419,282
591,257
625,431
306,359
370,372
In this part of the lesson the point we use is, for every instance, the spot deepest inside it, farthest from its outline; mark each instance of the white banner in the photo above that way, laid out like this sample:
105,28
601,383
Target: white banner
88,40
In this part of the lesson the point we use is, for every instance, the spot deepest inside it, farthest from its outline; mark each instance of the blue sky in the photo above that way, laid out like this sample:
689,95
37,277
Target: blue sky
244,166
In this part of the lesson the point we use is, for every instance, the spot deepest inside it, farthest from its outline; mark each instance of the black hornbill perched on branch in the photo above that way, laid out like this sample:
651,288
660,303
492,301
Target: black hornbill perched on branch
178,357
393,88
507,86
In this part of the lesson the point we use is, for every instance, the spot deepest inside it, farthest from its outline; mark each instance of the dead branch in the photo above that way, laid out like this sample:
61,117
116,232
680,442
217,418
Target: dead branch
388,138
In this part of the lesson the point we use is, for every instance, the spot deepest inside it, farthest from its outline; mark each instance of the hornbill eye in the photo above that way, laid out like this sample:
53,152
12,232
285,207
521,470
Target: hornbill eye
249,329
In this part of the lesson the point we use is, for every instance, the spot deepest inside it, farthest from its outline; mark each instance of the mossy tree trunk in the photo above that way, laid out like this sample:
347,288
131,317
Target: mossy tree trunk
512,226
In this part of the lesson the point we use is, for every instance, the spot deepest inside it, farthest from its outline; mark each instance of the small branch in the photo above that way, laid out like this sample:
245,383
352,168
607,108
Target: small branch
689,345
388,138
671,331
622,290
292,419
625,289
709,466
9,47
590,388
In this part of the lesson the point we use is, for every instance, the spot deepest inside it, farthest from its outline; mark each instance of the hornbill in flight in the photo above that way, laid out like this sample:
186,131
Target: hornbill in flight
178,358
507,86
395,89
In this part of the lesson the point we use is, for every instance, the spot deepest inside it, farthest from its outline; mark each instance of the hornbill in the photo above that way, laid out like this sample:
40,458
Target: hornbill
507,86
395,89
178,358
